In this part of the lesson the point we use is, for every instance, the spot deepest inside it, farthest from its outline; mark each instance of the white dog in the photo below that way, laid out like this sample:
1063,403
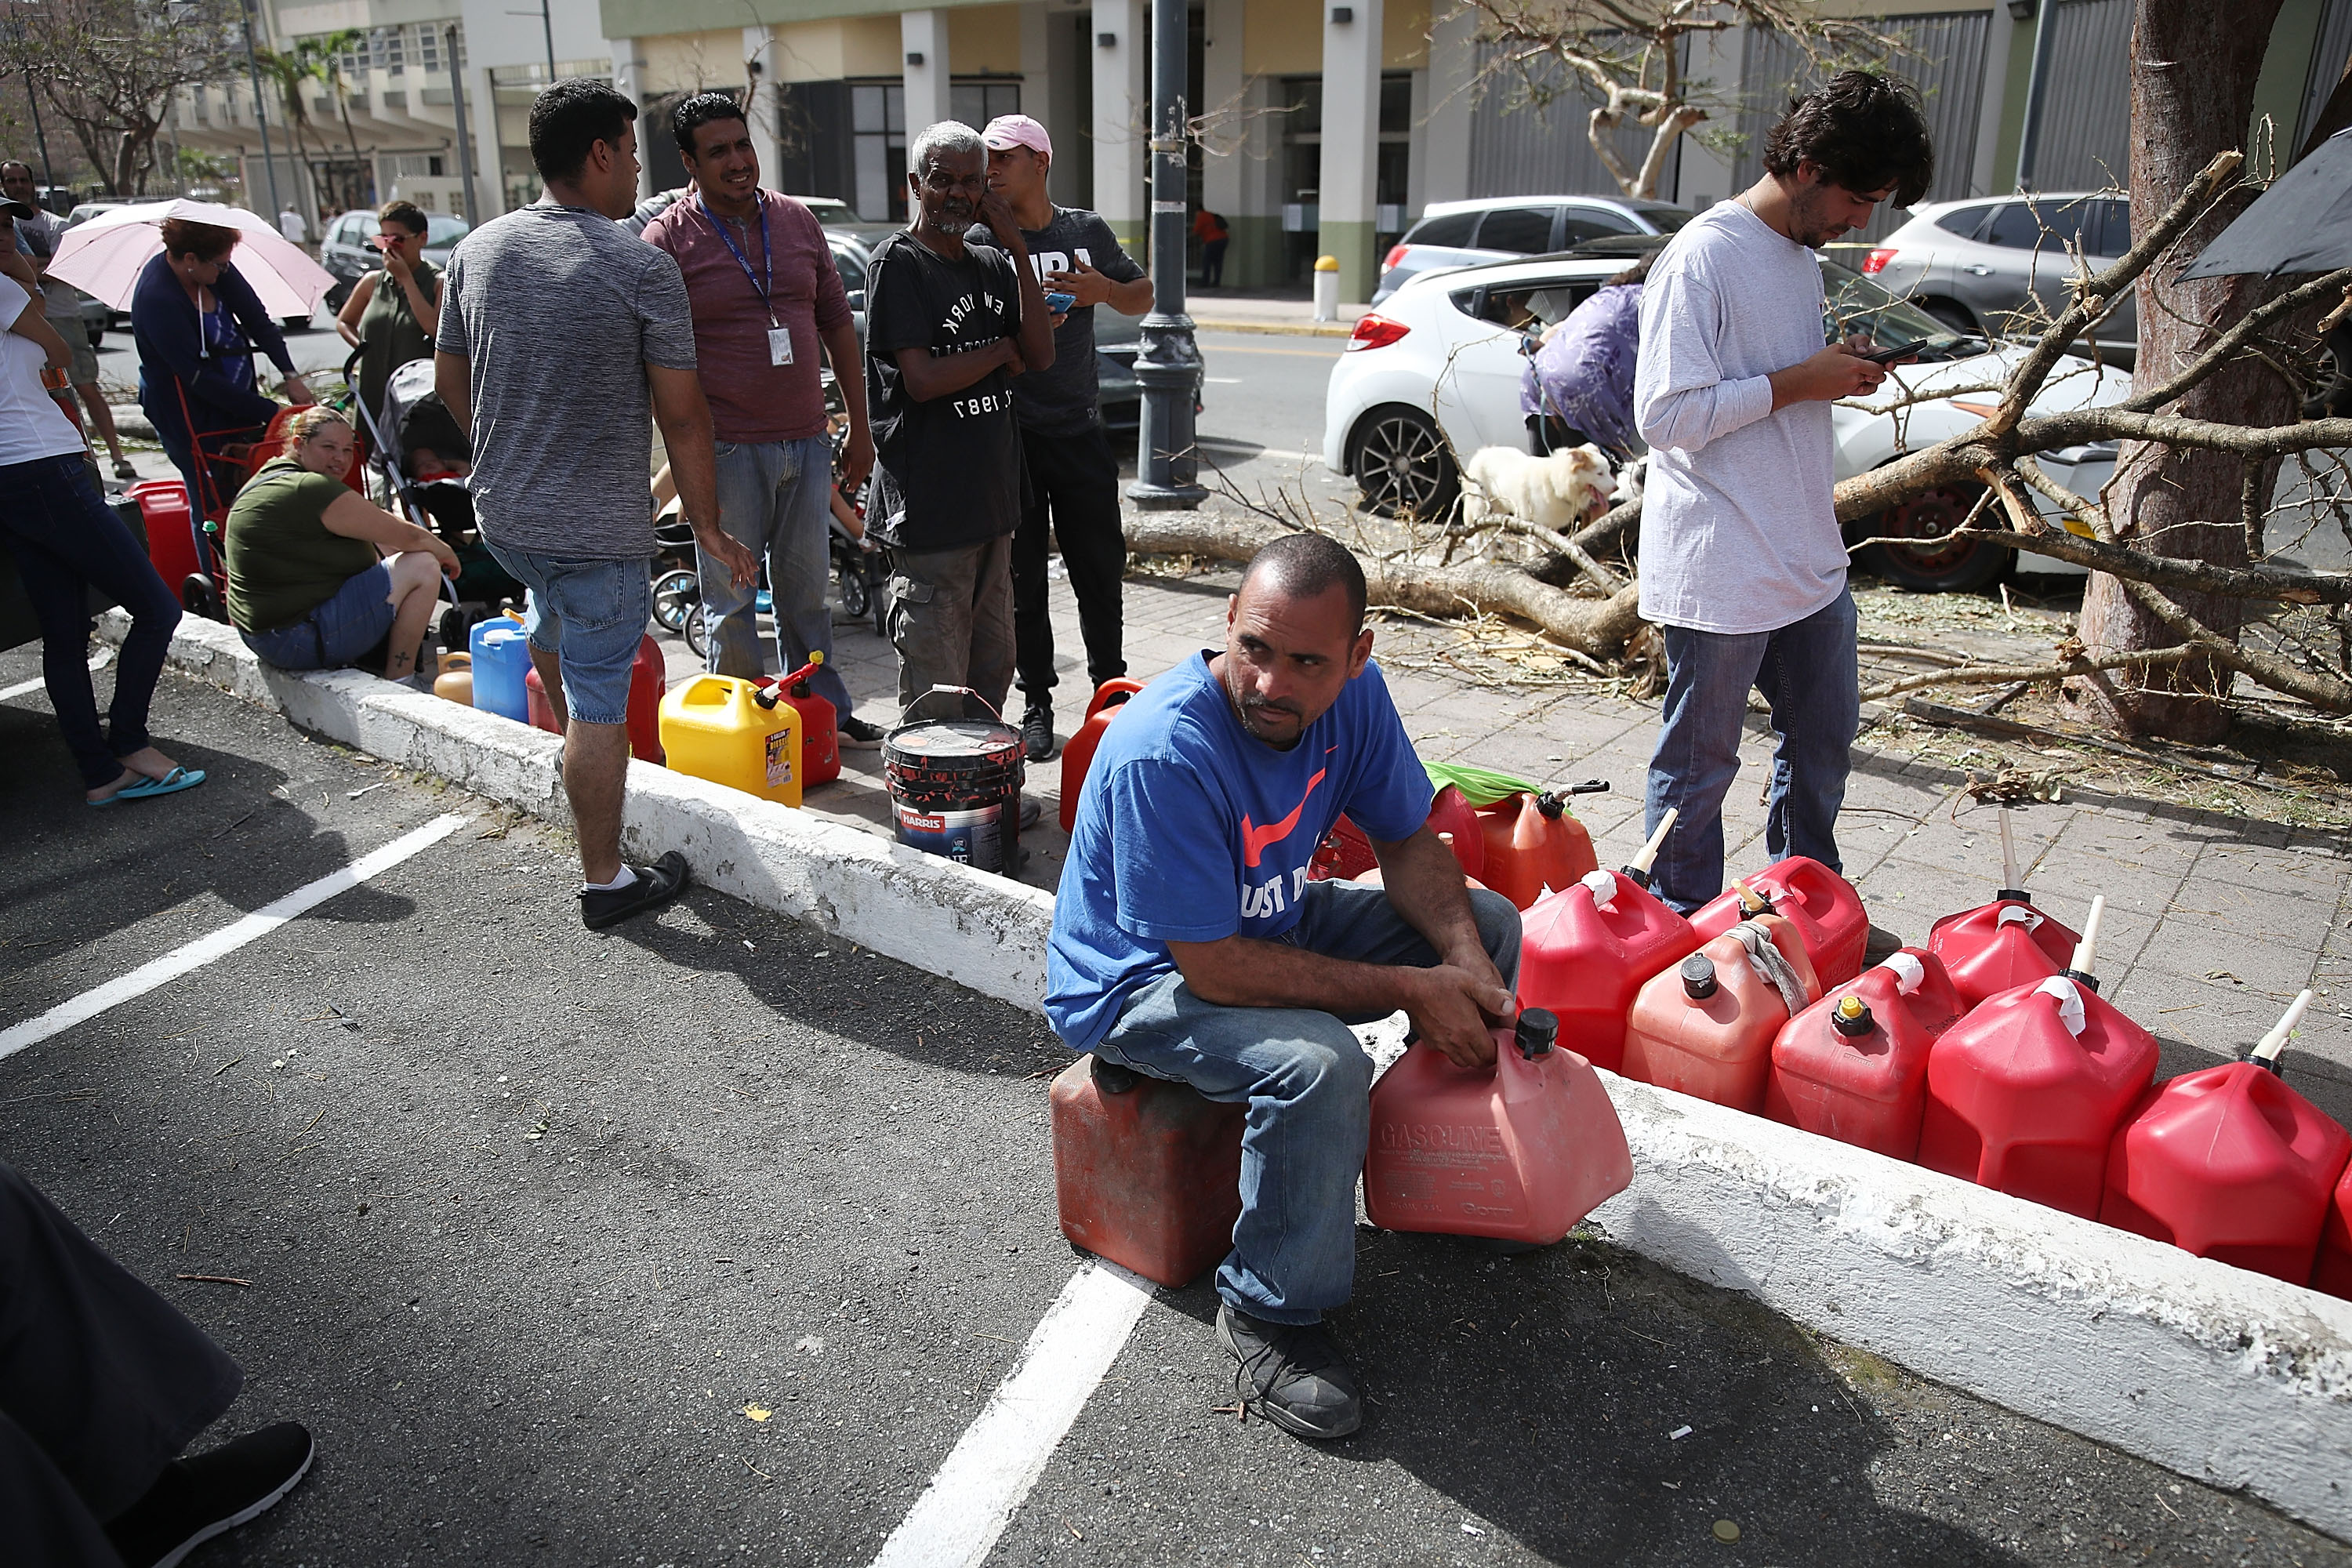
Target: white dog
1556,492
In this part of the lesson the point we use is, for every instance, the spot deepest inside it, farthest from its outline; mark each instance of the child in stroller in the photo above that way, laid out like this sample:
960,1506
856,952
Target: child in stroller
425,460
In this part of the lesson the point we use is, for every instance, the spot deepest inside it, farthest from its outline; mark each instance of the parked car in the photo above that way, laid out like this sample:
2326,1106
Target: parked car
1974,265
96,318
1502,228
345,251
1436,371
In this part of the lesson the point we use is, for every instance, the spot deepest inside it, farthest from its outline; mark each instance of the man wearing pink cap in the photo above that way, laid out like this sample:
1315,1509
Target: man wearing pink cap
1072,472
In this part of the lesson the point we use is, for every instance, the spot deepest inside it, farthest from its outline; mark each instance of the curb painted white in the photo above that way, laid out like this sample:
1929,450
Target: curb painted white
2225,1376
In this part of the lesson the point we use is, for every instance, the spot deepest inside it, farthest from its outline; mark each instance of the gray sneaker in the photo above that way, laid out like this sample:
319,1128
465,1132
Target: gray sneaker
1291,1375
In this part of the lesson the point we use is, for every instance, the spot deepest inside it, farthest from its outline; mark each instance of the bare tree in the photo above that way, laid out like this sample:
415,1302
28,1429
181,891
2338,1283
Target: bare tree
1626,57
109,69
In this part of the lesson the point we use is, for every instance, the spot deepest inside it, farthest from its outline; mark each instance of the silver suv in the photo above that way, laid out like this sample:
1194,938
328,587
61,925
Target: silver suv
1973,264
1508,229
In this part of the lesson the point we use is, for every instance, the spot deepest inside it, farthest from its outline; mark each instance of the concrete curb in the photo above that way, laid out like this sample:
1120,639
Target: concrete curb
2225,1376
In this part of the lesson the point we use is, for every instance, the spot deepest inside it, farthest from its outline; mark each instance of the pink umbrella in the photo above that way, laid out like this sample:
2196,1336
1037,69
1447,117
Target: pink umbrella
104,256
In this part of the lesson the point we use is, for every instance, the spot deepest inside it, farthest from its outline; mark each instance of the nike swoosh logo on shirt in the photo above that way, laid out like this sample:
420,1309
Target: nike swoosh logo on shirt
1255,839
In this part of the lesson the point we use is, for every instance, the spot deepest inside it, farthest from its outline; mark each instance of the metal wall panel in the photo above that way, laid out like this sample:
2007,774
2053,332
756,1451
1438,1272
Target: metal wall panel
2327,58
1516,150
1947,65
2086,100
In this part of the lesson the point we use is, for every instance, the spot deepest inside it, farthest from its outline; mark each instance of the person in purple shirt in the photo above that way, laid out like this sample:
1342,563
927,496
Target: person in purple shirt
1579,386
1188,944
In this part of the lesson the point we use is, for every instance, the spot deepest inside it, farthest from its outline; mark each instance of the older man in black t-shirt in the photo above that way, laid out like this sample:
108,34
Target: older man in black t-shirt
947,325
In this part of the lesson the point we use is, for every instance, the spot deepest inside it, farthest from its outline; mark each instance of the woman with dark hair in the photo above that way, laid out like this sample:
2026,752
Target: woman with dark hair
393,313
196,323
66,542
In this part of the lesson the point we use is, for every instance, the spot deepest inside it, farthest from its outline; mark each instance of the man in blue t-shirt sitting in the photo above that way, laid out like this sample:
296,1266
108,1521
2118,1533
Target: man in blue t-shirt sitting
1188,944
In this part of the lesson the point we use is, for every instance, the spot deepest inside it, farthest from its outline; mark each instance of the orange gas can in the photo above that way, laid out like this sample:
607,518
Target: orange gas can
1707,1026
1078,751
1822,905
2025,1093
2230,1164
1853,1066
1587,948
1534,844
1516,1152
1147,1174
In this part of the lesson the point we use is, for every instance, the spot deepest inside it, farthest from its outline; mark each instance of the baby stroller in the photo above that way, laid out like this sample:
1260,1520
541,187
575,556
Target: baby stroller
422,457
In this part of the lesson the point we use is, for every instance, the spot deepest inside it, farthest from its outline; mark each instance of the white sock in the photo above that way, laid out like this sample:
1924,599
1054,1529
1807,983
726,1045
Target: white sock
626,877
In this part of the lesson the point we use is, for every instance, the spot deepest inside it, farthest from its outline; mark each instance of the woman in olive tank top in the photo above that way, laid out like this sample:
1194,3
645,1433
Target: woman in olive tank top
393,314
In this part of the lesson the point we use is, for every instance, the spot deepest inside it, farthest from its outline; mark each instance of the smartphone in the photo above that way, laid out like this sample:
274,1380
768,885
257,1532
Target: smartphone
1898,351
1059,302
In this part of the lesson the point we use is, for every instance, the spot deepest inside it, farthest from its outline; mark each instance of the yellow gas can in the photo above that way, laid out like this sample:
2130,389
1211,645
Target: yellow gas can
733,732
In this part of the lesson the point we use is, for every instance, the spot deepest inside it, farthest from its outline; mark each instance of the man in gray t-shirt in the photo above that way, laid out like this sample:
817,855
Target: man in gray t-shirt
560,332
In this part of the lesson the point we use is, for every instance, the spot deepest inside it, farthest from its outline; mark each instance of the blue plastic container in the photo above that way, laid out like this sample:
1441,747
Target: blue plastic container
501,652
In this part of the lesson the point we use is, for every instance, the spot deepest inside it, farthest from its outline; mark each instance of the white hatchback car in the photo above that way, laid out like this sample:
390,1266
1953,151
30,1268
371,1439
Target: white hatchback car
1437,369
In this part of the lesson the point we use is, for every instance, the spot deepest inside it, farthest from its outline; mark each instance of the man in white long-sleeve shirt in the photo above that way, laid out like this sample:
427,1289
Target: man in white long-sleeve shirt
1743,569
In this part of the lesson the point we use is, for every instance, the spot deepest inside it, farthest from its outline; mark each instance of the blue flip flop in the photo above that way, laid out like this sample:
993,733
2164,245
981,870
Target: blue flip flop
171,783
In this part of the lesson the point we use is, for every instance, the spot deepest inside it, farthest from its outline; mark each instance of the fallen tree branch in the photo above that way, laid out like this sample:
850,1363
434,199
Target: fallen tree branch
1607,581
1997,674
2322,692
2289,585
2229,342
1598,628
2048,432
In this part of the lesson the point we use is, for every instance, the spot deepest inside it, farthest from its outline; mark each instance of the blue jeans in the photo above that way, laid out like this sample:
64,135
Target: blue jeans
590,613
774,498
1806,672
1307,1082
66,542
338,630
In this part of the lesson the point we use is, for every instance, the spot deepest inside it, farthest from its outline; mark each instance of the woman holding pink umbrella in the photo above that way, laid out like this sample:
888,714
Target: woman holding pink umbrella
197,324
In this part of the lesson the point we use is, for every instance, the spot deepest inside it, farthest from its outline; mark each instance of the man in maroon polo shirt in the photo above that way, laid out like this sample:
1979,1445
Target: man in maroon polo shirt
761,279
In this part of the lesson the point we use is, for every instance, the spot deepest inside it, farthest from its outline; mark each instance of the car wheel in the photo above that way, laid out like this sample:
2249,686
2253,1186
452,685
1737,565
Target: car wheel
1402,464
1953,314
1938,564
338,294
95,336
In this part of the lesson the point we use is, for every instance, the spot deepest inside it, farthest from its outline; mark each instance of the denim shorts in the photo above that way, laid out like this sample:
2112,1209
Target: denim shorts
353,620
591,614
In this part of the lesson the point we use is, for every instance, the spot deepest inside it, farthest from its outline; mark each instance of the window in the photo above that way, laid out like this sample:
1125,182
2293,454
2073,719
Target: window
853,277
978,102
1593,223
1526,230
2045,226
1451,230
877,123
2114,235
1962,221
384,51
441,230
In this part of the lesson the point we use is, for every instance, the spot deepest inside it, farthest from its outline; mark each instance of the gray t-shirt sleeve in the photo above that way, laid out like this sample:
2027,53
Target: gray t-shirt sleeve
667,318
449,332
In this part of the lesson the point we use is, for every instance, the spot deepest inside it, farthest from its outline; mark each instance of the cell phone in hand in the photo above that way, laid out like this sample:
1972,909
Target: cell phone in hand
1059,302
1898,351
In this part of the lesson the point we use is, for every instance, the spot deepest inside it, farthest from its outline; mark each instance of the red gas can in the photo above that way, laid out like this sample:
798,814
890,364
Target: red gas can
2025,1093
1534,844
1707,1026
1586,950
2333,1274
2230,1164
1078,752
1147,1174
1346,855
1822,905
2003,944
819,729
649,679
1853,1066
1451,818
163,506
1517,1152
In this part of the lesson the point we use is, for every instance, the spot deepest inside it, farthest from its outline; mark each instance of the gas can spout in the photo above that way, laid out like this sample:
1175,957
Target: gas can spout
1637,870
805,672
2011,888
2267,1055
2086,951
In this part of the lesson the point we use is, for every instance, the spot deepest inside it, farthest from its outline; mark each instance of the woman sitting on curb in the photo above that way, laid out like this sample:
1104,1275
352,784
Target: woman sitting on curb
306,588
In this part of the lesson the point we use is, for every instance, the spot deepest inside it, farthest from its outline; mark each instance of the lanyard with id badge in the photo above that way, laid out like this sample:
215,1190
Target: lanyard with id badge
780,337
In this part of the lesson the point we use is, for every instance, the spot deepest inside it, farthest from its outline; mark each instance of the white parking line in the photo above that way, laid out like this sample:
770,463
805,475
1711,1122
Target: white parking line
98,661
956,1522
228,939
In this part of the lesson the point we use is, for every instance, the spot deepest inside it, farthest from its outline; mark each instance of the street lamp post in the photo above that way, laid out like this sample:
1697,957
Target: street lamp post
1168,363
261,116
465,139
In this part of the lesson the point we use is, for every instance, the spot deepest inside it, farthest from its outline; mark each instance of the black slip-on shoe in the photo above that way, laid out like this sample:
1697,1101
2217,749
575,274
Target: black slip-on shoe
1031,810
857,735
1881,945
1037,733
1291,1375
656,885
194,1499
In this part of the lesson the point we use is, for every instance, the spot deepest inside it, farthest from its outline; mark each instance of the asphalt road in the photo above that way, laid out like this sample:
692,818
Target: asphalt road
537,1224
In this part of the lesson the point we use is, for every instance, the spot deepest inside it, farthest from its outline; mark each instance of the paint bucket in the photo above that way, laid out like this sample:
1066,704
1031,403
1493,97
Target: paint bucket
955,782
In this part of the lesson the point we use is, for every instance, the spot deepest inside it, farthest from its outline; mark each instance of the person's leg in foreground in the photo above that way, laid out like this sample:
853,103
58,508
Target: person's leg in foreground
1709,675
930,617
585,620
1308,1083
103,1382
66,540
1809,675
748,474
415,593
1079,474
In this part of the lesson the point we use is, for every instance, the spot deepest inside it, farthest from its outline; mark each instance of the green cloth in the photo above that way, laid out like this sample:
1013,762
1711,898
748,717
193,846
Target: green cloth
1479,786
282,562
390,335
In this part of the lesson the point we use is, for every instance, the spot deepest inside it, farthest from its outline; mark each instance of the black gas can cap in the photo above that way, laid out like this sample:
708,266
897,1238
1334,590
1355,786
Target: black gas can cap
1538,1032
1698,977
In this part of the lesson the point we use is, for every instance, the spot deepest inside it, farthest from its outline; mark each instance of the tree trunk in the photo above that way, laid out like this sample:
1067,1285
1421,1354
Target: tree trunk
2193,70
